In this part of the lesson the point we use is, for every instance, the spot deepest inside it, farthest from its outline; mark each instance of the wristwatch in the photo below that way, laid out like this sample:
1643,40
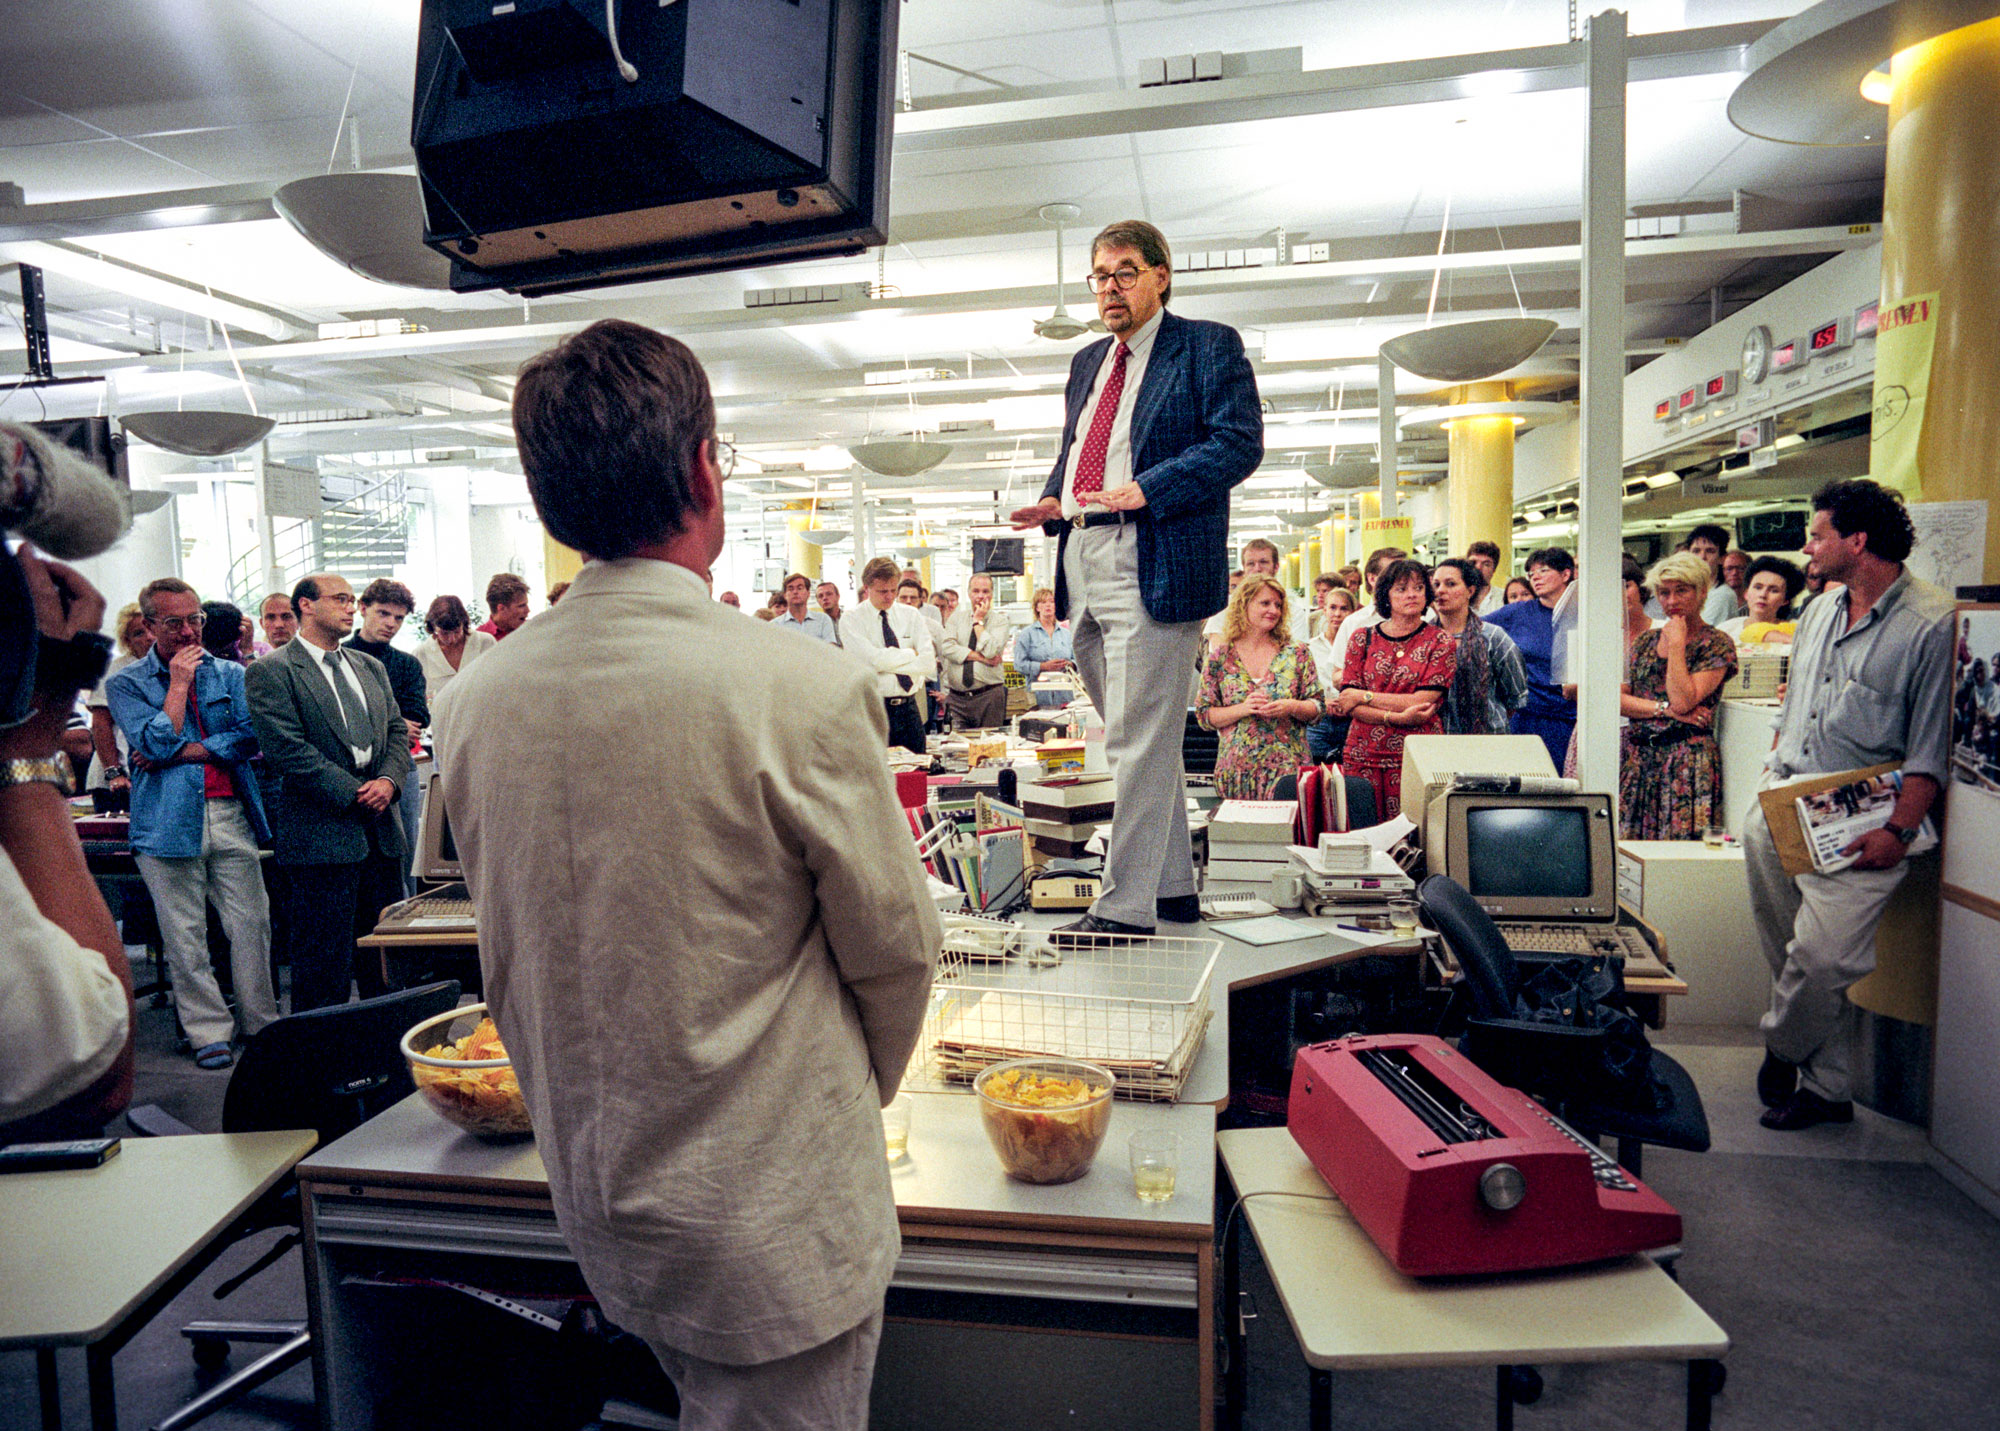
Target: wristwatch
1665,708
36,770
1908,837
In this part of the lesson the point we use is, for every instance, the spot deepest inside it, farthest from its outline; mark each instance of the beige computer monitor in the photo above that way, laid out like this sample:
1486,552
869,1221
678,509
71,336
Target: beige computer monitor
436,855
1431,759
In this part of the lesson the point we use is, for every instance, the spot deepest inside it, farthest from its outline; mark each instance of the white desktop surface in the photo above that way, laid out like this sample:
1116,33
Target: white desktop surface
1352,1310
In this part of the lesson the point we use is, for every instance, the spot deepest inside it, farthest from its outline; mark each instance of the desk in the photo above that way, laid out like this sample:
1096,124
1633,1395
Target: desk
993,1273
1351,1310
74,1273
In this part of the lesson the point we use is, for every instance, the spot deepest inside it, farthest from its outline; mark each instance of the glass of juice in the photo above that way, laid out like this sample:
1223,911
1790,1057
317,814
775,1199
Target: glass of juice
1156,1158
1403,914
896,1127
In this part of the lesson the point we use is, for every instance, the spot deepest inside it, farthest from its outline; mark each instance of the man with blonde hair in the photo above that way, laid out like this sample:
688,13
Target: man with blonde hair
896,643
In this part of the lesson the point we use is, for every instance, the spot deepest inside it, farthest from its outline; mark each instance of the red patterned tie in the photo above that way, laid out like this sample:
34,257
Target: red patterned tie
1090,461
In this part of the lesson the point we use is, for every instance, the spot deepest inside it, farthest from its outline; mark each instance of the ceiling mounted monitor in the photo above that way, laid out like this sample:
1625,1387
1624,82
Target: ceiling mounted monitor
557,154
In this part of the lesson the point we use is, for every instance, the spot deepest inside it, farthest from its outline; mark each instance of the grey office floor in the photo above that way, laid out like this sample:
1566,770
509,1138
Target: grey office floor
1859,1288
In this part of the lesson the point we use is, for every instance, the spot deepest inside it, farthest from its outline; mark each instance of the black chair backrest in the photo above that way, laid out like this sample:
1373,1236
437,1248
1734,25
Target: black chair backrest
1490,971
330,1069
1361,811
1287,787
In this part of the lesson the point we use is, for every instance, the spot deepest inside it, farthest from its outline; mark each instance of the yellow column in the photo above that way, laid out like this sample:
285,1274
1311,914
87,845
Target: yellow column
800,554
1332,544
1941,223
1309,565
1480,498
559,563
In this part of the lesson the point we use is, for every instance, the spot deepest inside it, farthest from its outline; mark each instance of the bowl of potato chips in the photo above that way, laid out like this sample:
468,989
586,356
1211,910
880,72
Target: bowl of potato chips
465,1075
1045,1117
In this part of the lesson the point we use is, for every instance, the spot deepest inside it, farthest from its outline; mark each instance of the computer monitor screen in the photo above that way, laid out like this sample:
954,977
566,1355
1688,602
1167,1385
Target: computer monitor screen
1548,858
1528,851
437,852
998,556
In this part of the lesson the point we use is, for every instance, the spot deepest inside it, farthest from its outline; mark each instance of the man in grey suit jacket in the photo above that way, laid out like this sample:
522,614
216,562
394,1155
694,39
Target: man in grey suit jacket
336,751
709,958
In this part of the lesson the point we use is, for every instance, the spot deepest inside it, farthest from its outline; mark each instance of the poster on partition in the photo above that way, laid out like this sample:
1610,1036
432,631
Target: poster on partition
1904,337
1379,532
1951,543
1972,809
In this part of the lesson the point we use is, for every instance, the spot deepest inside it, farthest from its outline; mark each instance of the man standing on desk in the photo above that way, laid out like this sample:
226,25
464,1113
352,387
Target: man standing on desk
709,958
1163,419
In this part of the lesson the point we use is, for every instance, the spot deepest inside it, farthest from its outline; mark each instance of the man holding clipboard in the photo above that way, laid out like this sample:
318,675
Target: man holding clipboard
1869,684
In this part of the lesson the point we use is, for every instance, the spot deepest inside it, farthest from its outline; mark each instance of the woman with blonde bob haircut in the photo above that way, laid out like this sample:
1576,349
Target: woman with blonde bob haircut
1670,771
1259,692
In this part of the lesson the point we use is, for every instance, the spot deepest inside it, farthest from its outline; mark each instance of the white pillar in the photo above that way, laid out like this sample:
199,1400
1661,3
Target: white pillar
1599,486
1385,431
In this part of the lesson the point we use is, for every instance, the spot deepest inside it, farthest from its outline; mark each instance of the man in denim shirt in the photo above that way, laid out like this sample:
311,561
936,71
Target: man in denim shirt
197,816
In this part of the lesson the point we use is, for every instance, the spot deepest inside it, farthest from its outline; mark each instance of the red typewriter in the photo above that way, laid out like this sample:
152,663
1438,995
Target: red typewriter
1452,1173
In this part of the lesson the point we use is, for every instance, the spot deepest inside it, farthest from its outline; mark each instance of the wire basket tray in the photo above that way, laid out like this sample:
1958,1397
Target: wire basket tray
1139,1007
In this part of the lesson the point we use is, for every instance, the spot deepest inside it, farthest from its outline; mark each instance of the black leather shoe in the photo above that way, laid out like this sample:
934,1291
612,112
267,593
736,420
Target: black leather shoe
1090,924
1179,909
1777,1080
1806,1109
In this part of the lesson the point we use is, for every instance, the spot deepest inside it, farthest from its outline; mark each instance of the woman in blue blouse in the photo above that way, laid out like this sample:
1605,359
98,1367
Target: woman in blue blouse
1043,646
1531,623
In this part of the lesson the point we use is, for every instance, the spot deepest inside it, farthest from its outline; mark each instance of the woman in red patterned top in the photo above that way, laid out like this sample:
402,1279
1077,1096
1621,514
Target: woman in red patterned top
1394,682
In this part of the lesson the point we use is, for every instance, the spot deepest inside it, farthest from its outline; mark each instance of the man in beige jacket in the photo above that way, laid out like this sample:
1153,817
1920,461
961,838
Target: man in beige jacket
709,955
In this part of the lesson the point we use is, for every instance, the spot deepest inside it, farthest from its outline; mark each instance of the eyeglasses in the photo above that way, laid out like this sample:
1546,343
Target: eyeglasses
176,623
1121,278
725,457
345,598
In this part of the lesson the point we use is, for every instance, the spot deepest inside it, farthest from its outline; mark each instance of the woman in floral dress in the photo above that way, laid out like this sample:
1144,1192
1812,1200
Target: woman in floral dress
1670,773
1394,682
1259,692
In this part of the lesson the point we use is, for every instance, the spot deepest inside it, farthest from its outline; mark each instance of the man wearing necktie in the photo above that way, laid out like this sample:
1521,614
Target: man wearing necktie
895,641
1163,420
336,745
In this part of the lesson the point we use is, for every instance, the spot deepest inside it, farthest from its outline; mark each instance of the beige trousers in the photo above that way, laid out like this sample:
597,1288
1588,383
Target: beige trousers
824,1388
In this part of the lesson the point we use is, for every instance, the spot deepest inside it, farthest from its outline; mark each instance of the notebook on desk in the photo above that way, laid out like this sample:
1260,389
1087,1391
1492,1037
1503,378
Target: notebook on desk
445,910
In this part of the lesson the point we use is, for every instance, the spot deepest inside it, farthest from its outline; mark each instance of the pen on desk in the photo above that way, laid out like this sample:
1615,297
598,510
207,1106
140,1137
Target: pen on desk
1353,929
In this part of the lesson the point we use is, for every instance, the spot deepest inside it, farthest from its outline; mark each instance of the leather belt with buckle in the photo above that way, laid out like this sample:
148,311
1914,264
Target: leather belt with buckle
1098,519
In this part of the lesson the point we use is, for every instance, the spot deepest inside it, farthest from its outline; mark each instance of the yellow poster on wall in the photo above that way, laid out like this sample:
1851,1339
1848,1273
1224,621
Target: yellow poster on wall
1904,335
1386,532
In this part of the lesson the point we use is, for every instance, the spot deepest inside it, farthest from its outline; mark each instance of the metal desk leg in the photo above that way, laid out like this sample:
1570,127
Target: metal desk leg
1319,1415
51,1389
1704,1380
103,1399
1235,1374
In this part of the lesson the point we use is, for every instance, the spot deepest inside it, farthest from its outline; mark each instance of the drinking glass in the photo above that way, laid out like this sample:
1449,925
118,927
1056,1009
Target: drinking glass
896,1127
1156,1158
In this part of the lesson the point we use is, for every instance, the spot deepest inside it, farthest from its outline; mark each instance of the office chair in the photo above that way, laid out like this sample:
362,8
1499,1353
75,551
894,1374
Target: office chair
1561,1065
328,1069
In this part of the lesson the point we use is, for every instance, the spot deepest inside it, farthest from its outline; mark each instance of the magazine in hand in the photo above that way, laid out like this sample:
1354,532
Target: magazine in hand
1833,819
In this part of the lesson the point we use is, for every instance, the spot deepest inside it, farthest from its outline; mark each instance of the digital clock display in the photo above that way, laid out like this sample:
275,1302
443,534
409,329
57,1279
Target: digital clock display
1663,409
1832,336
1785,355
1720,386
1690,400
1866,318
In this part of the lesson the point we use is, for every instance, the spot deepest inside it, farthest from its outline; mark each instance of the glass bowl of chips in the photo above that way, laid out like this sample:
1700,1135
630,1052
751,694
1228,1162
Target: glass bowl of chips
464,1074
1045,1117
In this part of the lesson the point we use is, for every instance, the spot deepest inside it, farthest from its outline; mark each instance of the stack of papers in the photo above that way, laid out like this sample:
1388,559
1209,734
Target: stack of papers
1342,854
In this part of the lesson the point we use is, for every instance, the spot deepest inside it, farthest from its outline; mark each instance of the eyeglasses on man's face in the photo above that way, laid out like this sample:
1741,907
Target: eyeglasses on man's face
176,623
725,457
1122,278
344,598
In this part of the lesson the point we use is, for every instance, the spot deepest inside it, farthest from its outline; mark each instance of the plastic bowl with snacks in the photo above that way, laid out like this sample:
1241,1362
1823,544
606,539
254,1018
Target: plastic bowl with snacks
465,1075
1045,1117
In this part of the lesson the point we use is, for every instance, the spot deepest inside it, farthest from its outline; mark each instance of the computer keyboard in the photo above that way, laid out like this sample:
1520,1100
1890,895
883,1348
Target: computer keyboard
1588,940
431,908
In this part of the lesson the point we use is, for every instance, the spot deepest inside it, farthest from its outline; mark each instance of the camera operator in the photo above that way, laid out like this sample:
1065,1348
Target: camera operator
65,986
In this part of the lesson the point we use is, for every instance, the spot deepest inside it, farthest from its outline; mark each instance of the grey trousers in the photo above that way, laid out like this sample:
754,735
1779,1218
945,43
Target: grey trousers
982,709
1135,670
225,874
1818,933
412,808
824,1388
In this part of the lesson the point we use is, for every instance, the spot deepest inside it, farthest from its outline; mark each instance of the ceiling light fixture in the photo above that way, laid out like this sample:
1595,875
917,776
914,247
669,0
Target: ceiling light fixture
371,224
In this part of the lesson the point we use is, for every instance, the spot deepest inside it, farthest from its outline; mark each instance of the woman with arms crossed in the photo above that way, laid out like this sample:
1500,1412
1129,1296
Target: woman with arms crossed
1394,682
1488,684
1670,777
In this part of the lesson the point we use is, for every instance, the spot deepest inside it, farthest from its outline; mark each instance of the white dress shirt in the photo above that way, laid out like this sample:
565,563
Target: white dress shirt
913,655
349,693
1118,456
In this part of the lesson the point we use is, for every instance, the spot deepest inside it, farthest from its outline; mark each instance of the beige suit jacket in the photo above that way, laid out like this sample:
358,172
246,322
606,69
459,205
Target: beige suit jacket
708,947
